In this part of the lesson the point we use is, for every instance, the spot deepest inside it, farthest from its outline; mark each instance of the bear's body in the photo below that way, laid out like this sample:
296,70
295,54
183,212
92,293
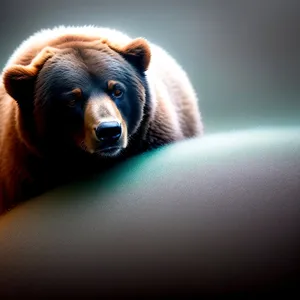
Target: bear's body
157,106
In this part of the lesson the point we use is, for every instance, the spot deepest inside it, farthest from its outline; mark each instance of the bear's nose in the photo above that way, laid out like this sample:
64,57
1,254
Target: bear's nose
109,131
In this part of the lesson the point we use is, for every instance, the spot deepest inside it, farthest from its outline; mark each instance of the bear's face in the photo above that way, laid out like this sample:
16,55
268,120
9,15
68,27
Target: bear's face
89,96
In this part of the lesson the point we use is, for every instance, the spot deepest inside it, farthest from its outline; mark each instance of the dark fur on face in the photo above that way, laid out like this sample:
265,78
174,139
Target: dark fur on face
69,92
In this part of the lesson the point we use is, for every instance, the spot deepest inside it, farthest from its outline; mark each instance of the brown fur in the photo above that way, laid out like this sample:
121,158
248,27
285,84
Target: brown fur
25,168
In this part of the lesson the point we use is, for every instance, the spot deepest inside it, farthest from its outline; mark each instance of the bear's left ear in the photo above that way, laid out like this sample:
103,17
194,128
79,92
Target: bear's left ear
137,53
19,80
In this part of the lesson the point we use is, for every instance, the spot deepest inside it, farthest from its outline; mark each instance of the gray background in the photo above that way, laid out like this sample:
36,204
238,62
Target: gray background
243,57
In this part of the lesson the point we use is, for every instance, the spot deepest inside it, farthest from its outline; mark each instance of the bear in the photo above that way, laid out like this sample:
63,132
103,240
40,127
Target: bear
78,99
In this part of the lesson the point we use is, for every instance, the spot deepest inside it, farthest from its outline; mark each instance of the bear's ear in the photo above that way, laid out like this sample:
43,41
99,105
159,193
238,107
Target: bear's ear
137,53
19,80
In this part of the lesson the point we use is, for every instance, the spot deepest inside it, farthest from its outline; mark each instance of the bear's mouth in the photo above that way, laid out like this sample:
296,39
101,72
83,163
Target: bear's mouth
109,151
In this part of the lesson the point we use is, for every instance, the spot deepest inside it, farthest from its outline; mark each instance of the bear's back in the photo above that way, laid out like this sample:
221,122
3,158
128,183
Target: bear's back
167,81
28,49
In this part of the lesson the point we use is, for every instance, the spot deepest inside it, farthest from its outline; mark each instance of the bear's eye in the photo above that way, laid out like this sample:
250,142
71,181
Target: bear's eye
73,97
72,103
117,93
116,89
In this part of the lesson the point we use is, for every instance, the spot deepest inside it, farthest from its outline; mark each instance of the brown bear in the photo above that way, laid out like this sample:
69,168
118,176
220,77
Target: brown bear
75,100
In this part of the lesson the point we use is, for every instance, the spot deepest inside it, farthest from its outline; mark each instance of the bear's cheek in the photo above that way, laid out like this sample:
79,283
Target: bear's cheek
59,124
131,111
72,126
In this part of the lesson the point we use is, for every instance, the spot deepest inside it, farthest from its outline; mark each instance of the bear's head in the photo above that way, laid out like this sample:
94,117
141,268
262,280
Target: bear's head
88,96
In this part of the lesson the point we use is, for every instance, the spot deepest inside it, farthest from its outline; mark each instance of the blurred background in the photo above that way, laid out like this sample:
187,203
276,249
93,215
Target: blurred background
243,57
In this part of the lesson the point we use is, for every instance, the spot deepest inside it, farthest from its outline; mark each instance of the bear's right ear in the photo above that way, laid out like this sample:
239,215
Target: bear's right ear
19,80
137,52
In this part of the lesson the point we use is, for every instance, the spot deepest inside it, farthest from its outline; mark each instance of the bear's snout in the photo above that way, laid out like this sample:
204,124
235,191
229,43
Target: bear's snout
105,129
109,132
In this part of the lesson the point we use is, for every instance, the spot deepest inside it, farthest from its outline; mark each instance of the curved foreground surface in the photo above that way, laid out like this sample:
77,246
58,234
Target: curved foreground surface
210,216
